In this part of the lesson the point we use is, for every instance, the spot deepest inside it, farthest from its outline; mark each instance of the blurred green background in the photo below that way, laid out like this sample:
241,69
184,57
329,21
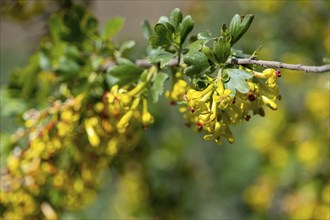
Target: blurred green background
278,167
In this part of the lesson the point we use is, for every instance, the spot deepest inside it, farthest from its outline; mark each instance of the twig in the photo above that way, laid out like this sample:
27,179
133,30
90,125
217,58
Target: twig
144,63
276,64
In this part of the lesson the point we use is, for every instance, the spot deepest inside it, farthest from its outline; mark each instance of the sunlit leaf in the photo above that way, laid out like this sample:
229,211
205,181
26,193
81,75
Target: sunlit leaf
238,26
204,36
112,27
237,81
127,45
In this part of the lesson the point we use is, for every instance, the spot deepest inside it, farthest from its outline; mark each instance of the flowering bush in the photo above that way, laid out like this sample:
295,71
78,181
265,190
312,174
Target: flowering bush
100,103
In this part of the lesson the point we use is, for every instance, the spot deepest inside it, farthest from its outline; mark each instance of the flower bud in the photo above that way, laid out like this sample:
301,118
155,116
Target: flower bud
147,118
278,73
251,97
268,72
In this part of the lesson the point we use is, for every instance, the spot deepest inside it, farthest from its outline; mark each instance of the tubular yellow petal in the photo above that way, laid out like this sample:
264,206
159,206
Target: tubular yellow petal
268,72
208,137
93,138
270,103
124,122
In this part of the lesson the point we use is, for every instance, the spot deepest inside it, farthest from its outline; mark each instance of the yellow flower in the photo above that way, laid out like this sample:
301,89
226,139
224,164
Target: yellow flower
48,211
270,103
124,121
93,137
178,91
13,163
147,118
268,72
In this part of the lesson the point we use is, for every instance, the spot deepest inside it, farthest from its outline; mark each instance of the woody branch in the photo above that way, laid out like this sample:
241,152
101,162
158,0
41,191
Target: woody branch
264,63
276,64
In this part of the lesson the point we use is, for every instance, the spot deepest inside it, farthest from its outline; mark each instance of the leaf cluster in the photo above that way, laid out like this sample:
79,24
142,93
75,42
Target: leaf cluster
204,54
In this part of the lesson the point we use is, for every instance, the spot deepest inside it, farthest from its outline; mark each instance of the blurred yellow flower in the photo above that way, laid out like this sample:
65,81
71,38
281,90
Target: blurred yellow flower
308,152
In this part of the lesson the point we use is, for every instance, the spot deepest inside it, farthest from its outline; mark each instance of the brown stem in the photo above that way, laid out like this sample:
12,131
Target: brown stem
264,63
276,64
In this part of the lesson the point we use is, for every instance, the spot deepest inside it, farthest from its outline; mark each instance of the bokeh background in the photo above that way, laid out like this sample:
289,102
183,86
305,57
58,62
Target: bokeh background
279,165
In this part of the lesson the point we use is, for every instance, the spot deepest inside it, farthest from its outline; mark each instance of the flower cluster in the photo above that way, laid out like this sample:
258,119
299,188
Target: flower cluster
213,109
65,146
125,105
179,89
64,150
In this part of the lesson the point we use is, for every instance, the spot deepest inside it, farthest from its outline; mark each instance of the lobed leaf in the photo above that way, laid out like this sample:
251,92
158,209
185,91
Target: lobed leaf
237,81
157,87
196,45
197,63
161,57
162,36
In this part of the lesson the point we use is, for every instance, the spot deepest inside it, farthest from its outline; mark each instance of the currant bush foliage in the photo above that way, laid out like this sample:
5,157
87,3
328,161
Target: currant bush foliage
91,102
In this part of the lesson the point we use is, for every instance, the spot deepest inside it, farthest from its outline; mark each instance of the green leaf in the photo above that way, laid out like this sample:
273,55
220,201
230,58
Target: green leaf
72,52
163,35
124,61
13,106
196,45
237,81
27,77
186,27
176,18
68,67
238,26
225,33
157,87
89,25
112,27
209,53
224,30
161,57
125,73
44,62
240,54
163,19
222,50
72,21
146,29
197,63
127,45
204,36
55,24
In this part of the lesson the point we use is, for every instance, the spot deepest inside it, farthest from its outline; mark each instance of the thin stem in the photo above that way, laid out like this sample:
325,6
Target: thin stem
276,64
264,63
